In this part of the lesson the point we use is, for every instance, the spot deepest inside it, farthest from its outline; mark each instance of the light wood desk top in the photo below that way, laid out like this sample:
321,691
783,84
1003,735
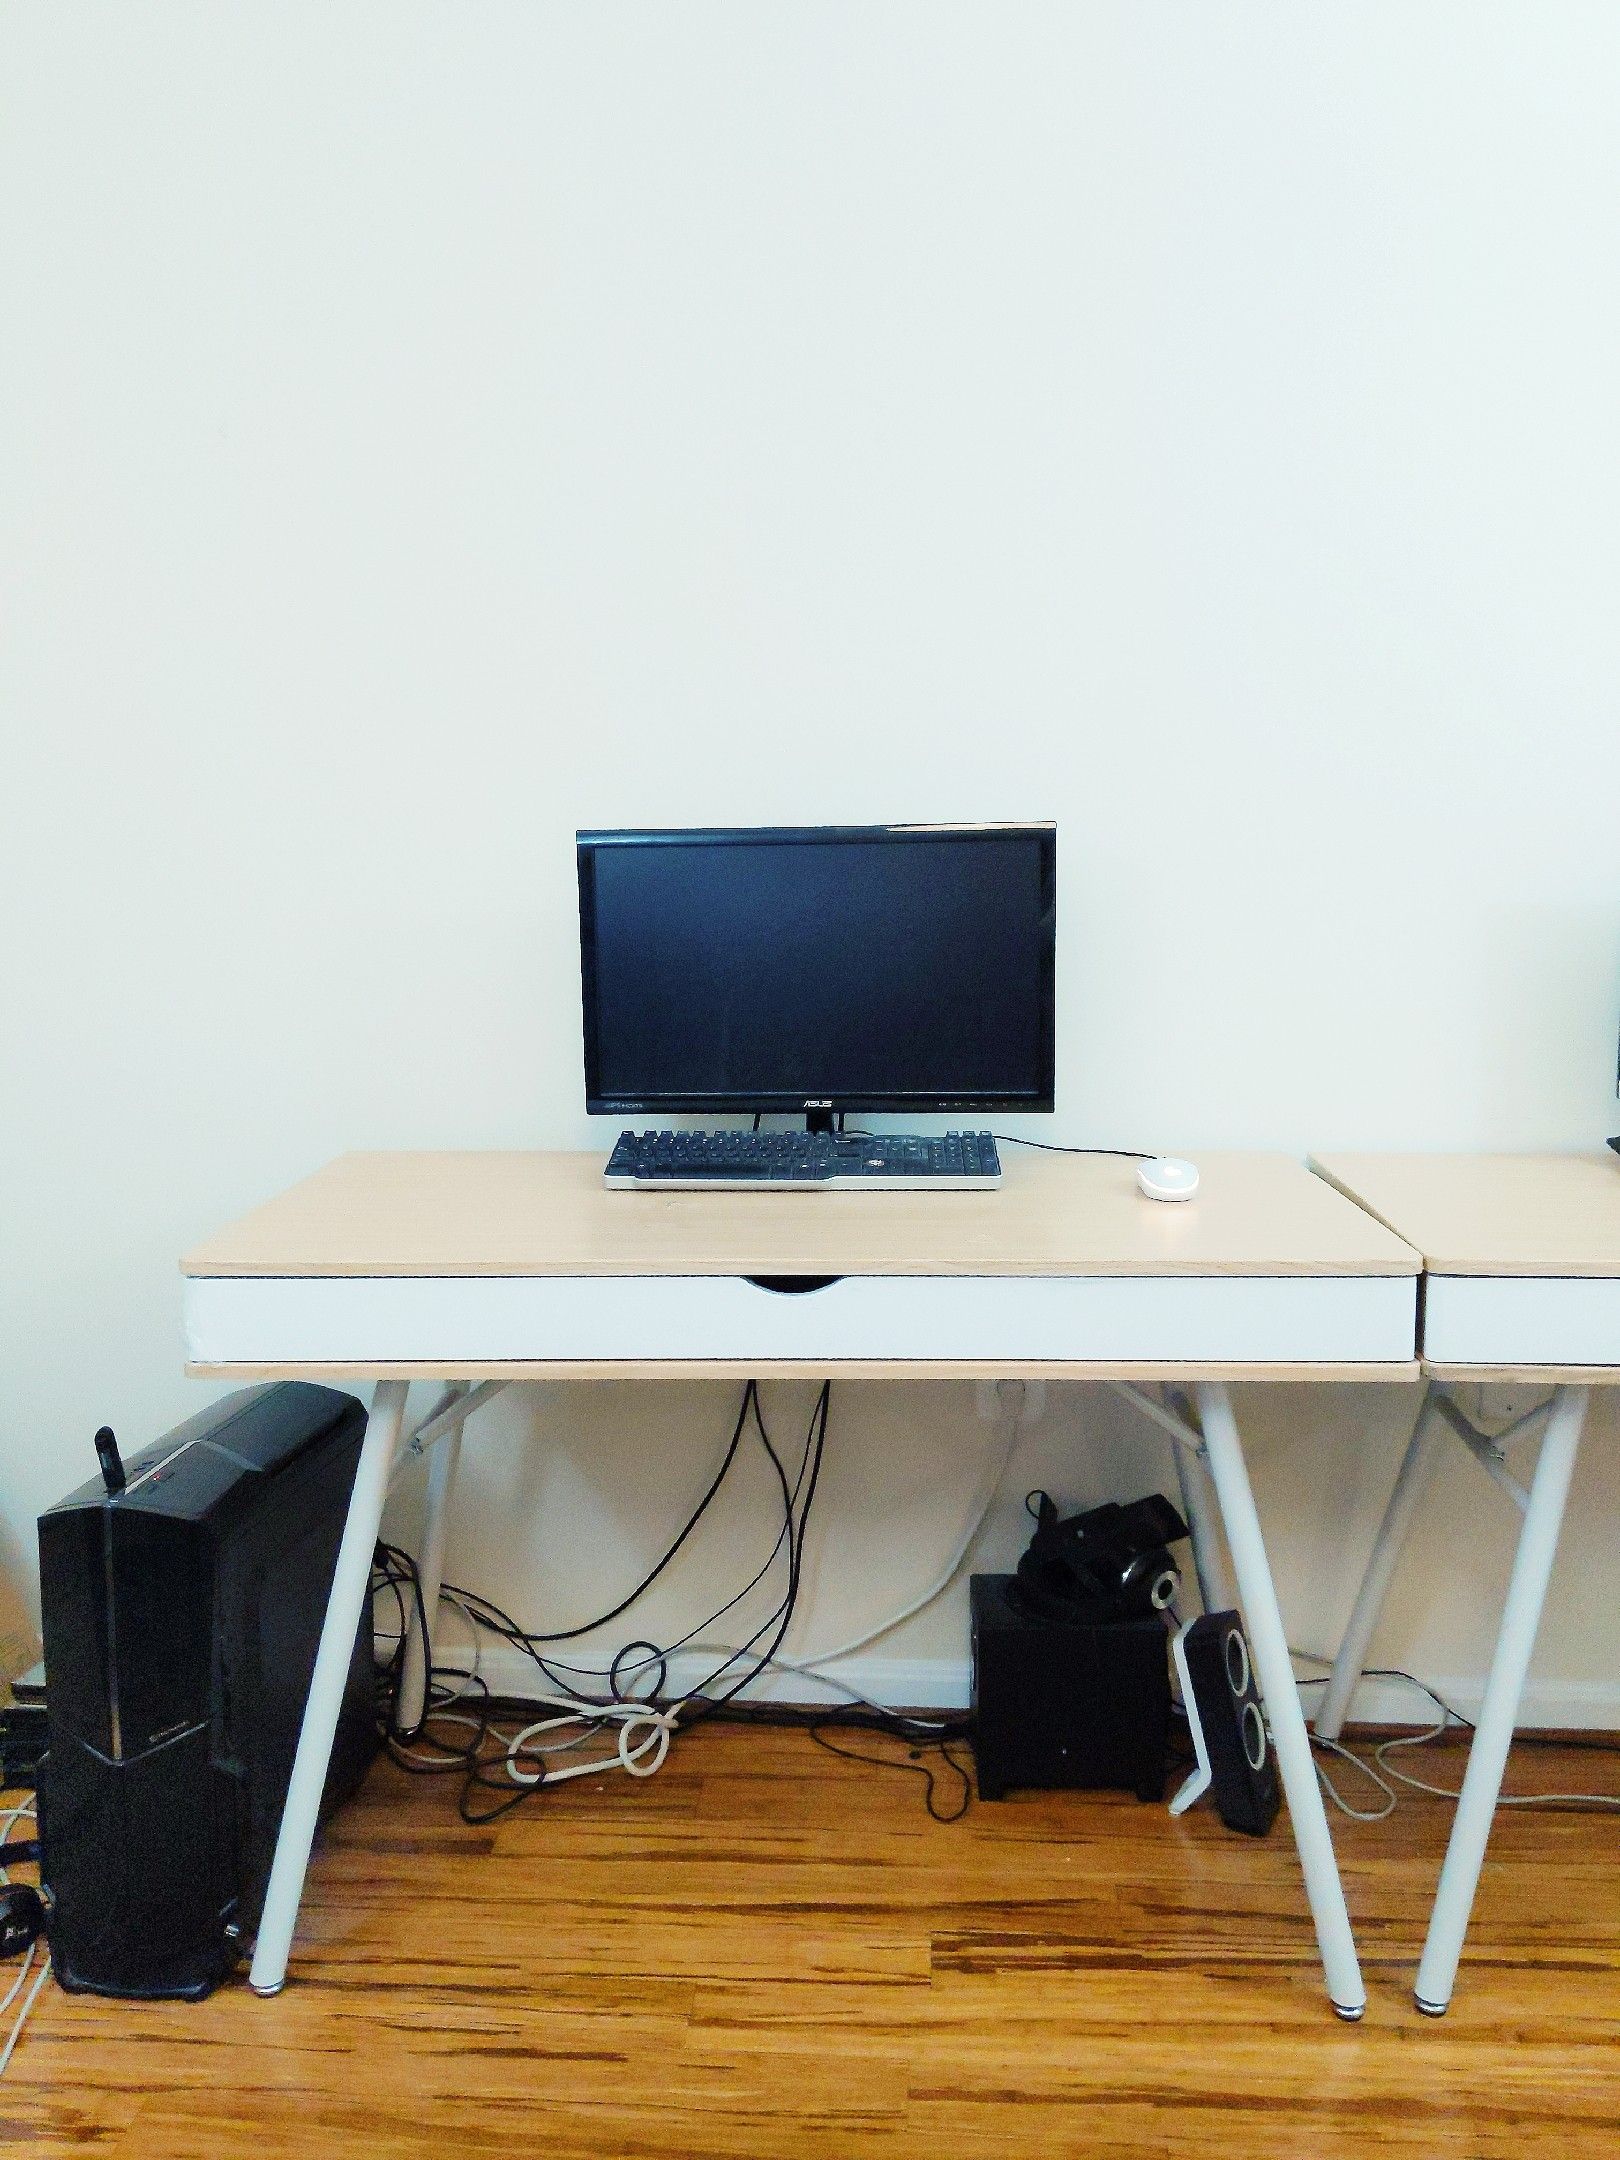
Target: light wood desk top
550,1214
1493,1214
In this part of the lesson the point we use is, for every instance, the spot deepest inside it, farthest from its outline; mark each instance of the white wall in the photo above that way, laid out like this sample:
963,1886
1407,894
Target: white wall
425,429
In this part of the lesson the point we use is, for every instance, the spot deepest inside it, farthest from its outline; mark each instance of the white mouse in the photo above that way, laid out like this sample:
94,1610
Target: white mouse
1167,1178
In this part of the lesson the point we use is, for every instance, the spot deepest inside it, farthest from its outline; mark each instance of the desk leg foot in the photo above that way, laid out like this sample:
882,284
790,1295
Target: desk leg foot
1275,1673
1429,2009
1352,2013
1409,1485
1487,1757
267,1992
351,1583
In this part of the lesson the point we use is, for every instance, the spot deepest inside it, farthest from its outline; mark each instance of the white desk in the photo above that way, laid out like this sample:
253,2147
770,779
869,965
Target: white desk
1522,1282
479,1269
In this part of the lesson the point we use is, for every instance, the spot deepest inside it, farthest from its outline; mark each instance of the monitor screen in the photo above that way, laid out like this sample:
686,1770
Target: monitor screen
841,967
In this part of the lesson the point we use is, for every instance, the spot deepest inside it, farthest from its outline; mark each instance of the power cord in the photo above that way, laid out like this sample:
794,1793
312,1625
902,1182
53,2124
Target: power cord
25,1810
642,1729
810,1663
1008,1139
495,1758
1380,1770
1052,1147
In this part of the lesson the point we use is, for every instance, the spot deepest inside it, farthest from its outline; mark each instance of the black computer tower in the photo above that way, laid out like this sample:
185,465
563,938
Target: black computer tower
181,1617
1066,1703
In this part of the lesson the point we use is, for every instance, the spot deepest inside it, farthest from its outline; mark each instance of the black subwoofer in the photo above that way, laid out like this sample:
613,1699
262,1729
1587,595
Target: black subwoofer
1066,1703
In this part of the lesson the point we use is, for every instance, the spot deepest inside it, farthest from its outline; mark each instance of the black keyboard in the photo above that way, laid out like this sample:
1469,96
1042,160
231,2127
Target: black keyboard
748,1161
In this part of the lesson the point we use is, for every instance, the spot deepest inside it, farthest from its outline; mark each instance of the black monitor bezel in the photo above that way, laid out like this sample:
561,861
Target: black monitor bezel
587,841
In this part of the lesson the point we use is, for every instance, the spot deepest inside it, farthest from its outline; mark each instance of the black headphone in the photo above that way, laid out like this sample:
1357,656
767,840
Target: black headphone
22,1909
22,1917
1111,1563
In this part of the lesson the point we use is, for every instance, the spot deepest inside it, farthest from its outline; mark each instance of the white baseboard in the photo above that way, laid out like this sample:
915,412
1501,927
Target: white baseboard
942,1684
908,1683
1567,1705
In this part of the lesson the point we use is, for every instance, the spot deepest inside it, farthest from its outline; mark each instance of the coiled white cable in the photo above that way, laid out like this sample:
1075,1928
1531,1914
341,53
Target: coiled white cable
15,2033
643,1740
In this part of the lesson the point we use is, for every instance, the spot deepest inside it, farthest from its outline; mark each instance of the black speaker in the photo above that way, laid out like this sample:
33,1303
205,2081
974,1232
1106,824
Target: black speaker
1227,1703
1066,1704
183,1596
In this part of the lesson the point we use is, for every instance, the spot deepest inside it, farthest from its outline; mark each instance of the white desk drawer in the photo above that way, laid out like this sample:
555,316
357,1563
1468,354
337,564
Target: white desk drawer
1545,1320
462,1320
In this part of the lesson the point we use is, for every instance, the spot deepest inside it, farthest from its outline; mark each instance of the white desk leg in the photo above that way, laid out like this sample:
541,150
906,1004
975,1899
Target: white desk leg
1416,1463
351,1582
416,1672
1202,1510
1275,1672
1487,1757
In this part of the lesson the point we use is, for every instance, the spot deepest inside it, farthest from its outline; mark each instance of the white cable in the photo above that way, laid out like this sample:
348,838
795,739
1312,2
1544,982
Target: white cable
643,1739
14,1816
15,1989
22,2015
1339,1801
641,1755
1449,1718
1444,1792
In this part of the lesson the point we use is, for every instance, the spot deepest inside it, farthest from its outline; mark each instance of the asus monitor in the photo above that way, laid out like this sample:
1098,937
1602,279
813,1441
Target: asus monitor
818,969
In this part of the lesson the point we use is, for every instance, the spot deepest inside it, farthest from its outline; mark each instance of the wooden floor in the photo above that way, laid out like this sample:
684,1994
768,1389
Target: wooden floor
767,1951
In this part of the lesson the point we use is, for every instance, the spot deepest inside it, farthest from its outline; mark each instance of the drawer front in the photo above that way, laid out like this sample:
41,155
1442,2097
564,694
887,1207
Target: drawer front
1204,1320
1522,1320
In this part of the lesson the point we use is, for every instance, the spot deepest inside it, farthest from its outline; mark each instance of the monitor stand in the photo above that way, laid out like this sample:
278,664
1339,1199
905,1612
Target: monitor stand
819,1120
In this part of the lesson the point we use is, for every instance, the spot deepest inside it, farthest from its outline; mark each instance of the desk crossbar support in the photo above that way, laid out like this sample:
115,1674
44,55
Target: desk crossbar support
451,1413
1410,1484
1438,1412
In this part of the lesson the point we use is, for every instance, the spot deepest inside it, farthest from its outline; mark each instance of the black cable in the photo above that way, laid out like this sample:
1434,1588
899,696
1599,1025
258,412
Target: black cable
503,1625
486,1771
1545,1737
814,1448
1051,1147
1394,1672
471,1758
915,1765
590,1626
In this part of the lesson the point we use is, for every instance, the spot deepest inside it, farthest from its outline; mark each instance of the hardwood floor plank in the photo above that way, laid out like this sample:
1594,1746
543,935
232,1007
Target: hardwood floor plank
767,1952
